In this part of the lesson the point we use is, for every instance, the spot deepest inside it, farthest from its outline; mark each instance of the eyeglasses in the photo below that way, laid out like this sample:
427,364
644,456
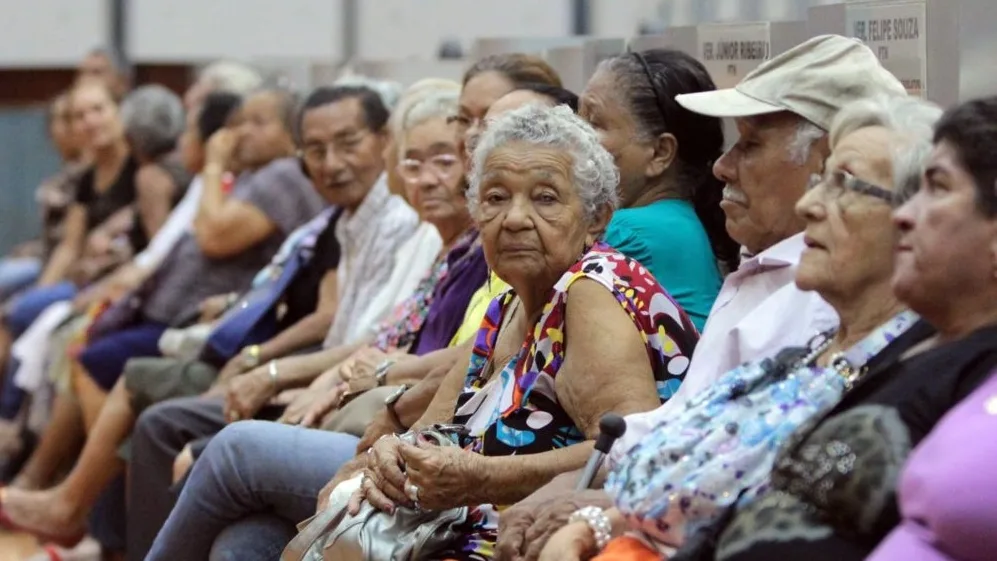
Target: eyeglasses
444,167
838,182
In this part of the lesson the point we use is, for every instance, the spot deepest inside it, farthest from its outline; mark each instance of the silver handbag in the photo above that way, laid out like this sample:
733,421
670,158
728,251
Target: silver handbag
372,535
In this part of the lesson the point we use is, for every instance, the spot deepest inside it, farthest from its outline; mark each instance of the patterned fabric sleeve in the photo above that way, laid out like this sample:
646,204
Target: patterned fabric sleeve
516,411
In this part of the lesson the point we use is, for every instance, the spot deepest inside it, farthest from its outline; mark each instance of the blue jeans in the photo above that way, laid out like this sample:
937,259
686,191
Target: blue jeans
26,307
11,396
18,273
245,494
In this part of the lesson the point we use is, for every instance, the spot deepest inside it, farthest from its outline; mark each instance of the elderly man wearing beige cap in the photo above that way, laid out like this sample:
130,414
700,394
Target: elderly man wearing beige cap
783,111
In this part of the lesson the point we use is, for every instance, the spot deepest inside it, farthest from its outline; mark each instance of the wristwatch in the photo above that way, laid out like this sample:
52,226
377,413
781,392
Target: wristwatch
389,404
381,372
250,357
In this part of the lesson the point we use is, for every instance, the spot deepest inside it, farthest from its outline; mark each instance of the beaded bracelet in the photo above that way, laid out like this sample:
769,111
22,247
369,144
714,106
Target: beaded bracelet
597,521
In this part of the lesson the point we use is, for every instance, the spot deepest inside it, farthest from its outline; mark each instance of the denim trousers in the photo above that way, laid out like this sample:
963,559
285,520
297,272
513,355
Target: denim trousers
249,489
17,273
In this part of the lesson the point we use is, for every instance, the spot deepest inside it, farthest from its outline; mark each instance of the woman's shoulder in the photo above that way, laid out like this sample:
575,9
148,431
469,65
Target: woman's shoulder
603,261
622,275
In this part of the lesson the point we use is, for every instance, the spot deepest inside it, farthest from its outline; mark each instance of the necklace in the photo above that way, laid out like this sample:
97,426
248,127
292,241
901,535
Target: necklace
838,362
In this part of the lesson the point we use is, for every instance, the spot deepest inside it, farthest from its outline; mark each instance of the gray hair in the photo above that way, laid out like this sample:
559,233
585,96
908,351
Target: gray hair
433,104
415,93
594,173
909,117
389,91
230,77
807,134
153,119
117,59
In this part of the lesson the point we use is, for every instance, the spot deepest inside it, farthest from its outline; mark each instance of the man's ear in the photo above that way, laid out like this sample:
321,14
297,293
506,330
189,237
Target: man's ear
304,168
666,148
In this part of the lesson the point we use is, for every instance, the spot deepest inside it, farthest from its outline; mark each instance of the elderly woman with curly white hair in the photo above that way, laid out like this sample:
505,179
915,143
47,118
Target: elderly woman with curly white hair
542,190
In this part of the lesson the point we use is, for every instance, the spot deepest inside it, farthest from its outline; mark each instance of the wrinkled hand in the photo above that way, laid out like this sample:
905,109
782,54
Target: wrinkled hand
346,472
378,427
443,474
358,370
247,394
213,307
573,542
525,527
229,372
384,481
325,402
182,463
99,243
298,402
221,147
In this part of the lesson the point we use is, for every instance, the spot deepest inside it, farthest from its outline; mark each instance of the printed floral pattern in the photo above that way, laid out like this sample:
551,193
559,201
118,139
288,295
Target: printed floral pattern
399,330
681,477
517,411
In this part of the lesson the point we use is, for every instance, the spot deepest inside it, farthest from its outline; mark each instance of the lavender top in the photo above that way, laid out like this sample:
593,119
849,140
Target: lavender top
947,494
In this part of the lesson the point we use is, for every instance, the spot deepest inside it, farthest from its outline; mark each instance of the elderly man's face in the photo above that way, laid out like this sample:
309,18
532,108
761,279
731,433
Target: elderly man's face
343,156
263,134
532,221
764,181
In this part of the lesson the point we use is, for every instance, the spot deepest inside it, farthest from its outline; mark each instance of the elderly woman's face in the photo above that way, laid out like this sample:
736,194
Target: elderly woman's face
947,244
849,234
476,97
532,222
263,135
433,172
603,106
95,116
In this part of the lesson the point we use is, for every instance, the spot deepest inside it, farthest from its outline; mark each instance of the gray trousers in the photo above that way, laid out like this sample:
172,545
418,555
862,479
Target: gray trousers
160,434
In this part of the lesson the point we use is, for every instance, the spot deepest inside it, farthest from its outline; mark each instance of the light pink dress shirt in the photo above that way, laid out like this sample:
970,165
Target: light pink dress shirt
758,312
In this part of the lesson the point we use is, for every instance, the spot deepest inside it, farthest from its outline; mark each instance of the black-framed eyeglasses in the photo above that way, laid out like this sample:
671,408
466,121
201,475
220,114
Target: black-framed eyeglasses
836,183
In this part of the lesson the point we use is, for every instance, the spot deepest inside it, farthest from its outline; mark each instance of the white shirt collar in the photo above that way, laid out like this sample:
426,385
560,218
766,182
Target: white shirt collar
783,254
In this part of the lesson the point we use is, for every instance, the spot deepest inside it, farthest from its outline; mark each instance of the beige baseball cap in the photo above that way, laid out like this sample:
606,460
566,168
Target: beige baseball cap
813,80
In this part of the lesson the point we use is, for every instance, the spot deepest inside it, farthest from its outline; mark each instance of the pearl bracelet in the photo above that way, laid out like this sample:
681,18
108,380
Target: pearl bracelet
597,521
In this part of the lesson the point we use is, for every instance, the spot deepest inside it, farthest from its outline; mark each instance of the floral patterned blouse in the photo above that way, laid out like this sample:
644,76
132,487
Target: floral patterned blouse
402,326
517,411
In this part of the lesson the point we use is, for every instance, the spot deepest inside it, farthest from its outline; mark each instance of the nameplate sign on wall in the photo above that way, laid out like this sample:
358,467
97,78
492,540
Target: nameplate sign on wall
896,32
731,51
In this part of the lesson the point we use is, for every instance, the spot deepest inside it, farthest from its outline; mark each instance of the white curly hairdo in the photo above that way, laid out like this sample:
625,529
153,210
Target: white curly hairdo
594,173
430,104
910,117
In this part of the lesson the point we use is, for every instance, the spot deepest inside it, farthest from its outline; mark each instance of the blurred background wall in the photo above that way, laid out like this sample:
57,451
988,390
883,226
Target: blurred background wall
313,41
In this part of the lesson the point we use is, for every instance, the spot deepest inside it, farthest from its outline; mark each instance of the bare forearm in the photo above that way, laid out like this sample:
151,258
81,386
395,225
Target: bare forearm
412,407
506,480
415,370
309,331
211,202
58,265
299,371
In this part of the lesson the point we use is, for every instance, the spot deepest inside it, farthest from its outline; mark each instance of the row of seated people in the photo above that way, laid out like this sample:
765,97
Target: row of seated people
463,232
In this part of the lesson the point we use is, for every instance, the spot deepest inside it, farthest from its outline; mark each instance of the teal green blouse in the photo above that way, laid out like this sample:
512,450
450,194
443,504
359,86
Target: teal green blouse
668,238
